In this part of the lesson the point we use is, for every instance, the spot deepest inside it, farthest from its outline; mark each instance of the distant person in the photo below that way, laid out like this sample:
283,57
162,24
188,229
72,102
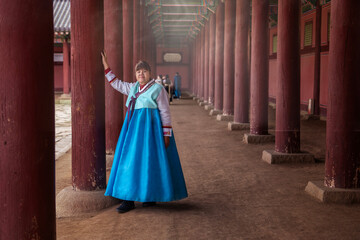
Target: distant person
168,86
177,85
146,165
159,79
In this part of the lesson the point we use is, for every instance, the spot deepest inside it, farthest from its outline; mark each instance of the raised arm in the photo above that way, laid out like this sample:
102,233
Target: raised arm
123,87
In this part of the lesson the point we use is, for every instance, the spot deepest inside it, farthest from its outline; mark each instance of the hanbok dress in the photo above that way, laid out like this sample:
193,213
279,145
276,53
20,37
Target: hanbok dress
143,169
177,85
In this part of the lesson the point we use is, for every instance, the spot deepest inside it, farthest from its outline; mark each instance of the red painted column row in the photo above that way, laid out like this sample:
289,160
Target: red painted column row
193,67
119,58
88,106
127,25
219,57
27,123
211,58
206,62
195,59
113,45
241,93
259,67
229,46
202,64
198,66
199,57
343,113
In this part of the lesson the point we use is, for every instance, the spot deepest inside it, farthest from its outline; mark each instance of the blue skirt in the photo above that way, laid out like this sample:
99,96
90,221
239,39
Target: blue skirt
143,169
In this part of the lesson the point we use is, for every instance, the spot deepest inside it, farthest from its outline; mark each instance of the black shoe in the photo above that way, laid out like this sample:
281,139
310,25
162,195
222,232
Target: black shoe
149,204
125,206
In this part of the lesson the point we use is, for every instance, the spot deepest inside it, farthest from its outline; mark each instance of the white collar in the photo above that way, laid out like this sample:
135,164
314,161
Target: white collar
140,90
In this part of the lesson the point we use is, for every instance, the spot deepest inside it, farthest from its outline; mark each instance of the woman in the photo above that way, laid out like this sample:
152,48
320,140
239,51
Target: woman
146,166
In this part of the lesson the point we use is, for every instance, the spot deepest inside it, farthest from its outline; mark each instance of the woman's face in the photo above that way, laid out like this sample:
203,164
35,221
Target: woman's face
142,76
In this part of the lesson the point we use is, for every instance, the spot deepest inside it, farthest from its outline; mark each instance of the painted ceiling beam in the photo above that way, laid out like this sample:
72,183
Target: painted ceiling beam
177,13
177,26
181,5
177,20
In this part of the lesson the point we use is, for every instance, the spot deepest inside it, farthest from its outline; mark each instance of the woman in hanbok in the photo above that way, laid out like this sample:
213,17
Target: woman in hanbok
146,166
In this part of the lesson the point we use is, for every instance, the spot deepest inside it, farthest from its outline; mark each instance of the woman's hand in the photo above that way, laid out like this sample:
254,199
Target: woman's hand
167,141
104,60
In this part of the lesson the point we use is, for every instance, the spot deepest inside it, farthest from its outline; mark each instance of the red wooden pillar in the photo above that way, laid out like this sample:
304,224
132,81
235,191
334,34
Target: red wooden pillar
114,49
206,63
136,32
229,46
241,110
343,114
145,27
150,48
316,91
219,57
260,67
127,21
202,64
147,44
145,37
211,58
66,66
287,134
88,114
198,61
153,54
192,68
27,123
195,69
142,25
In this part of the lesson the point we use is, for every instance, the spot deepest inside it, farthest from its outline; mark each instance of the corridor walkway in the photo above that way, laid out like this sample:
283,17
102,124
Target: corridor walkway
233,194
62,129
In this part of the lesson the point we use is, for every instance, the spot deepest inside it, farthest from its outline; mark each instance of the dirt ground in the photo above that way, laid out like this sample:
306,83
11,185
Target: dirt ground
233,194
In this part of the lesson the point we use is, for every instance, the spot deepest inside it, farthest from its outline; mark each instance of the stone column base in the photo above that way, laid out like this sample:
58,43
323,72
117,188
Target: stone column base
258,139
273,157
307,116
71,203
64,99
202,103
109,161
199,100
272,105
209,107
227,118
195,98
65,95
332,195
234,126
215,112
